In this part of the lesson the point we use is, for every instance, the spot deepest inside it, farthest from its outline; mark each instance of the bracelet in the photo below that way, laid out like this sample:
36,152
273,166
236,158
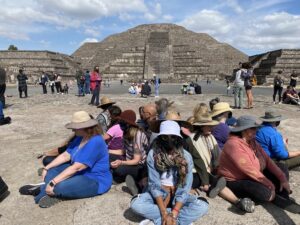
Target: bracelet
54,181
44,168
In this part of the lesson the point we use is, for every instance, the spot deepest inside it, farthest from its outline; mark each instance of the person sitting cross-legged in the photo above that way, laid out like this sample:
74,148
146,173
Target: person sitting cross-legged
272,141
82,171
167,199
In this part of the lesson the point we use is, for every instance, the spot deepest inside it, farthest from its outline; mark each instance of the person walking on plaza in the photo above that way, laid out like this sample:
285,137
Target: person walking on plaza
43,82
95,86
87,82
22,83
238,87
278,87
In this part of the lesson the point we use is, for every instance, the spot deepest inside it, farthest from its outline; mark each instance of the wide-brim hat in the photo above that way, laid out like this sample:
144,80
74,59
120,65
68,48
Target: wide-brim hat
204,119
271,116
244,123
105,101
129,117
81,120
169,127
220,108
171,115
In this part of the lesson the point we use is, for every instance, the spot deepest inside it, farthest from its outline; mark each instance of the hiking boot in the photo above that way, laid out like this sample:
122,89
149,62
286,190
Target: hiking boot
130,183
286,204
31,189
246,204
219,186
47,201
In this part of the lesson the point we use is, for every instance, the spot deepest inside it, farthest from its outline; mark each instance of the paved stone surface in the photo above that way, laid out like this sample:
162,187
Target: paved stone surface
38,125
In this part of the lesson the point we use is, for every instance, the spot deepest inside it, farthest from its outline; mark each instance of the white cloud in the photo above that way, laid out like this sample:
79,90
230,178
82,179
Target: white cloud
207,21
88,40
92,31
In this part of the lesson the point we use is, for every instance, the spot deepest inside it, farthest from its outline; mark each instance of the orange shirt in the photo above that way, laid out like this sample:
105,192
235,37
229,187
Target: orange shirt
242,161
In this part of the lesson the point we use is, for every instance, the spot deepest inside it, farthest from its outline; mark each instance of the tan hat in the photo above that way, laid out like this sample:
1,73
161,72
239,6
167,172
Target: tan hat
105,101
81,120
171,115
220,108
204,120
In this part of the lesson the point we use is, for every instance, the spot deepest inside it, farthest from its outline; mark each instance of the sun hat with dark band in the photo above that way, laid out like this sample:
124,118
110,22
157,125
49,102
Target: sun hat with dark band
105,101
245,122
204,120
81,120
271,116
220,108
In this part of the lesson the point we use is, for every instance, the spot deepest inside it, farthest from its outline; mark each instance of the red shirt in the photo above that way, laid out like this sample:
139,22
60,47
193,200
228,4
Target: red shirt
95,80
242,161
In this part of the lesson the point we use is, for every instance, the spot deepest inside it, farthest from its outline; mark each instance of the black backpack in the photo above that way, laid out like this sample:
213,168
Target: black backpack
3,190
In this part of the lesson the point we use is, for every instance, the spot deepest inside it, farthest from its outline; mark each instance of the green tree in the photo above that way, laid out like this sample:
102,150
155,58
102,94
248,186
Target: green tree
12,48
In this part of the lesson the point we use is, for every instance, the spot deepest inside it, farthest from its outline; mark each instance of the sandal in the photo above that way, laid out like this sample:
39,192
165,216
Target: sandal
246,204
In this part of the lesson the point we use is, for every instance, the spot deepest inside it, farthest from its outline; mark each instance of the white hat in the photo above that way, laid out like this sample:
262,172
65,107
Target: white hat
169,127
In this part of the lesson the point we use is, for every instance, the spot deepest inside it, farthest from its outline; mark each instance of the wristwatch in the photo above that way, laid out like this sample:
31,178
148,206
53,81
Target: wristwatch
51,183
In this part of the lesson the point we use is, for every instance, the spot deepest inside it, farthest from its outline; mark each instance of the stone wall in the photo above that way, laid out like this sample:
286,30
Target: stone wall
168,50
267,65
34,62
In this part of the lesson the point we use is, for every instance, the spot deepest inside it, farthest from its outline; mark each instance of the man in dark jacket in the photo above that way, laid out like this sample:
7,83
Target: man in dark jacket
22,83
2,85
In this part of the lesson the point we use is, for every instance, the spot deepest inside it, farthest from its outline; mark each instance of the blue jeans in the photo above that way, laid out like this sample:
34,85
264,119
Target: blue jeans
238,96
157,90
96,94
75,187
87,87
1,111
192,209
80,89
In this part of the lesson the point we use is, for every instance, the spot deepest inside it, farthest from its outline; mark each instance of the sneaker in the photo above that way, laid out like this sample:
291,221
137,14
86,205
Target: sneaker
246,204
47,201
274,103
31,189
219,186
286,204
130,183
279,103
146,222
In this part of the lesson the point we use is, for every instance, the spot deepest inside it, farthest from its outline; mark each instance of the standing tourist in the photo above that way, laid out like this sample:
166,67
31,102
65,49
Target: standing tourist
22,83
278,87
80,82
156,85
238,87
43,82
57,80
87,82
3,120
2,85
248,85
95,86
294,77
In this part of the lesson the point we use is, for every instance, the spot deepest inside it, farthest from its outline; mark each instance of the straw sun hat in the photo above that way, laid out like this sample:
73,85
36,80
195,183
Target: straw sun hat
204,120
105,101
81,120
220,108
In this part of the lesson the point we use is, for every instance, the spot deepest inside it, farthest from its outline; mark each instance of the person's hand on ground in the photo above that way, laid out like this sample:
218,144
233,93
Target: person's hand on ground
44,173
285,185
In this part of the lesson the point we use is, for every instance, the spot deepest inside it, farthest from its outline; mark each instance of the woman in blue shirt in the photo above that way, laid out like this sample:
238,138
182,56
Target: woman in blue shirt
80,172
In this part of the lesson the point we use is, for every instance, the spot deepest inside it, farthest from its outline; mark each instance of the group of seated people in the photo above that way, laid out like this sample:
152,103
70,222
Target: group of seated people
168,163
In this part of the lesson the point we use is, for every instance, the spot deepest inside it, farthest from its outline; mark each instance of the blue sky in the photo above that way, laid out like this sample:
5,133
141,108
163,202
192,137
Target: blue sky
253,26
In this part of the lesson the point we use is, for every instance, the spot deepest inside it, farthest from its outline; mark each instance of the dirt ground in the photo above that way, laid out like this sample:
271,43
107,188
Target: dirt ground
38,125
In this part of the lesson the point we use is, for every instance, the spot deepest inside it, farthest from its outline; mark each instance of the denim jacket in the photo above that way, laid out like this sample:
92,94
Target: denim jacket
154,183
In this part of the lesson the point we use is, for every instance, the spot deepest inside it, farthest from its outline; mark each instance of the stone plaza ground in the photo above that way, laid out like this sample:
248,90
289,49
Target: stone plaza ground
38,125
